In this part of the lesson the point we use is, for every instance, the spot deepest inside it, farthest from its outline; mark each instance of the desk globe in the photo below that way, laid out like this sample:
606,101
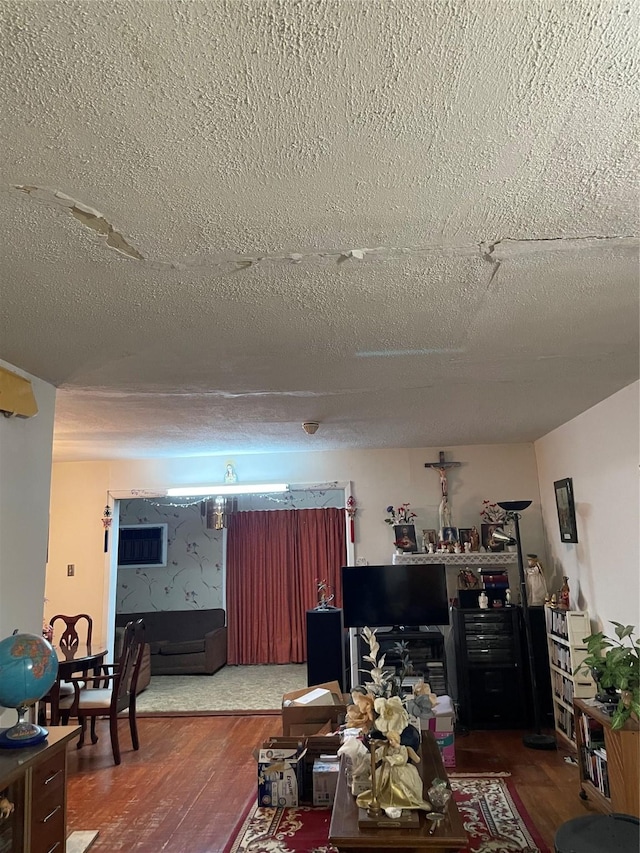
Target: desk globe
28,669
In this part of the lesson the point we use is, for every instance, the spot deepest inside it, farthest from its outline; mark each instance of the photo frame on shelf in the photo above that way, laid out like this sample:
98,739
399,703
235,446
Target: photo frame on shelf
486,537
406,538
430,536
566,509
464,535
449,534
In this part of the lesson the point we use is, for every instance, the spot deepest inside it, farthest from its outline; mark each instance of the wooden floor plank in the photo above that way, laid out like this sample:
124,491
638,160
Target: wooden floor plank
187,787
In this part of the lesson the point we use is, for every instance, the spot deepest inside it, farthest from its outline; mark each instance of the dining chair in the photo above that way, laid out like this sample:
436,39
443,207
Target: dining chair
69,636
68,639
118,695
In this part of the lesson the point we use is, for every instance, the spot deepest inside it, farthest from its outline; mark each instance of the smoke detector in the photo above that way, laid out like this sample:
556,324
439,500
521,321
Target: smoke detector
310,427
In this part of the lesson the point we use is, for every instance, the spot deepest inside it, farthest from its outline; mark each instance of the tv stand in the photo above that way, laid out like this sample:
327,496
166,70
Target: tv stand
424,648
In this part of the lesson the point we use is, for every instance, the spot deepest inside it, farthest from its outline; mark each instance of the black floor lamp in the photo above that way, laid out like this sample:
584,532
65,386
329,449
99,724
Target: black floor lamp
537,740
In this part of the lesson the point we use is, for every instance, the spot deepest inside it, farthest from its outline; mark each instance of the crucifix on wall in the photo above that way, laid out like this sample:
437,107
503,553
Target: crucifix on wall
444,510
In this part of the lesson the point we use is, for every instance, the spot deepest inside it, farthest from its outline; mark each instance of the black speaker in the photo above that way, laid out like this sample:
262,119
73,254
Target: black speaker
326,642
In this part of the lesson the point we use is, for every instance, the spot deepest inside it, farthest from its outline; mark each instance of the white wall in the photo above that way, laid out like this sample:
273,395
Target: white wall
599,451
379,477
25,473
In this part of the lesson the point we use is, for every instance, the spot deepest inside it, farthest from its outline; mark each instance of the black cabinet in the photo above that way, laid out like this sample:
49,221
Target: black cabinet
425,650
490,668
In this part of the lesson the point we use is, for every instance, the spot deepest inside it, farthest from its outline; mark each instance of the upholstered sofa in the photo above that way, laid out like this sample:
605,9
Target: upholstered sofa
183,642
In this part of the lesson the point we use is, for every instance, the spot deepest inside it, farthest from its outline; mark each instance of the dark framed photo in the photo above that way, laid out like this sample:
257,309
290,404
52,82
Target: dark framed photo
430,536
464,535
486,535
566,509
449,534
406,538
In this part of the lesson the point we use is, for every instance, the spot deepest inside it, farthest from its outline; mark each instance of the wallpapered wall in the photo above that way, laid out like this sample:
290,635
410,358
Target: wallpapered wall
193,578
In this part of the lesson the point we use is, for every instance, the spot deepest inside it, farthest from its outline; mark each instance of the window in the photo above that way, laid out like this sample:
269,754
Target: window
142,545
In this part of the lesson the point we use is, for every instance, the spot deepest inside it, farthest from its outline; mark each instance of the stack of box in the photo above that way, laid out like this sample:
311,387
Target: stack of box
308,711
280,759
441,725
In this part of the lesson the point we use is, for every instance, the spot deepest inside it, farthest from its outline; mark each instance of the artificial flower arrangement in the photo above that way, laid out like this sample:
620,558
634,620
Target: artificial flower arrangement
400,515
381,707
381,711
491,513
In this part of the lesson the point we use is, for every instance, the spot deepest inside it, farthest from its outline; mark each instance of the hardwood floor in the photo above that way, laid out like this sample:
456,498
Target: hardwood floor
187,787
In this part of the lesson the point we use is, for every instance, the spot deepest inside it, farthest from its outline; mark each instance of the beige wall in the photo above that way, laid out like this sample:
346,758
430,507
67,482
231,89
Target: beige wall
603,568
25,472
599,451
378,477
78,497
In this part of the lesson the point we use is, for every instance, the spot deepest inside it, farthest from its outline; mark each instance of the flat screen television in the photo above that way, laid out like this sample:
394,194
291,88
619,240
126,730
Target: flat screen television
407,595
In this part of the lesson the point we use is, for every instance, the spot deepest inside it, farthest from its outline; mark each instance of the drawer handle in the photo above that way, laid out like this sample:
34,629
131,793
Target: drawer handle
51,814
51,778
55,847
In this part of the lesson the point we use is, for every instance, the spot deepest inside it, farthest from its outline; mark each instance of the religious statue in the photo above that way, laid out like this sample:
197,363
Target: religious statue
536,584
444,511
474,539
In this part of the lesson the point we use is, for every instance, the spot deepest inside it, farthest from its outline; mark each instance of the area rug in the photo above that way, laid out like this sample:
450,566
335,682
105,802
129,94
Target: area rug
492,813
233,689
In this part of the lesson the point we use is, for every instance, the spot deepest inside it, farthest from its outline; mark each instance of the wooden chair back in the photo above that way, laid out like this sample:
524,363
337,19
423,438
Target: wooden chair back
126,680
70,636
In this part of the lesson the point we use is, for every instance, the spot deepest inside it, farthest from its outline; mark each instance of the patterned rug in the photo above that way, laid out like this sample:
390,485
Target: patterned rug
492,813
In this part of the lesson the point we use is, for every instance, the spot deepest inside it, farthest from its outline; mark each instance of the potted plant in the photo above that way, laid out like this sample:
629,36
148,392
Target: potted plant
617,664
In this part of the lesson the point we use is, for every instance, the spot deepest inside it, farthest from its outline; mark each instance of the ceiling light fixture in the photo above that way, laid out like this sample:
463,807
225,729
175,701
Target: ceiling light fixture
310,427
235,489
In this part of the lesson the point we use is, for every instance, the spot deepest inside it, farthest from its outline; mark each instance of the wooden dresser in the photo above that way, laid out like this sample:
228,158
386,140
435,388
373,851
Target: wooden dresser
34,779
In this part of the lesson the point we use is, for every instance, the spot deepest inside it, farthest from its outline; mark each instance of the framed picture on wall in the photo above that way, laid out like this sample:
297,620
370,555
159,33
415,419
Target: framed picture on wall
566,510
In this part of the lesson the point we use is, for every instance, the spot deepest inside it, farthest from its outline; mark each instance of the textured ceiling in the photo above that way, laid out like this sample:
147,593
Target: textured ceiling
413,222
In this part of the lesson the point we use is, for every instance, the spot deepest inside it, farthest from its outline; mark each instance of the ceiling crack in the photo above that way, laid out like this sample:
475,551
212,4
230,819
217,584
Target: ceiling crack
495,252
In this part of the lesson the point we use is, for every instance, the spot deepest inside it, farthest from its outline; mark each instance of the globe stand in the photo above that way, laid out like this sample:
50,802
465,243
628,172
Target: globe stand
24,733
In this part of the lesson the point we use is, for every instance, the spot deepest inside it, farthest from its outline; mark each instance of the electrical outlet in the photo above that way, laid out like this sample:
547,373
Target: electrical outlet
71,570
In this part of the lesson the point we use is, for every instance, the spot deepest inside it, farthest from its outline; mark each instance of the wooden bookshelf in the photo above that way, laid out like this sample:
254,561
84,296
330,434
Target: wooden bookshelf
566,630
608,761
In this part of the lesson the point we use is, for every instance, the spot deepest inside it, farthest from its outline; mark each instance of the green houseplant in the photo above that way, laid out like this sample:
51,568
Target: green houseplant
615,663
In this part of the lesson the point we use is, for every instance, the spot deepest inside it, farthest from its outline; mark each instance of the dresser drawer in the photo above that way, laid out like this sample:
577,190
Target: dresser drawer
48,776
47,811
47,833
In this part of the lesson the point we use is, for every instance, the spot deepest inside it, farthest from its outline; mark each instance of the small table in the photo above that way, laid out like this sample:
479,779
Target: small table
73,660
449,834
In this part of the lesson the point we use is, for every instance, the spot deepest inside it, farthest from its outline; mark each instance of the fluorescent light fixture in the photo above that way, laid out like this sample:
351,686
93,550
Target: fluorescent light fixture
235,489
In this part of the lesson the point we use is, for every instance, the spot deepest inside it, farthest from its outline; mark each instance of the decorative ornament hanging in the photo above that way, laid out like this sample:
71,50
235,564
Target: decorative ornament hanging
106,523
351,512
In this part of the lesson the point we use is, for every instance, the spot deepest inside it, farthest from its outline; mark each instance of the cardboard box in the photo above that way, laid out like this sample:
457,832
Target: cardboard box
442,726
309,718
316,696
325,779
280,775
313,748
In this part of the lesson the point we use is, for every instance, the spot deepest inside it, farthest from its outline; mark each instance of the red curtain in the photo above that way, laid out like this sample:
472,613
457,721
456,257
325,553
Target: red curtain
274,561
